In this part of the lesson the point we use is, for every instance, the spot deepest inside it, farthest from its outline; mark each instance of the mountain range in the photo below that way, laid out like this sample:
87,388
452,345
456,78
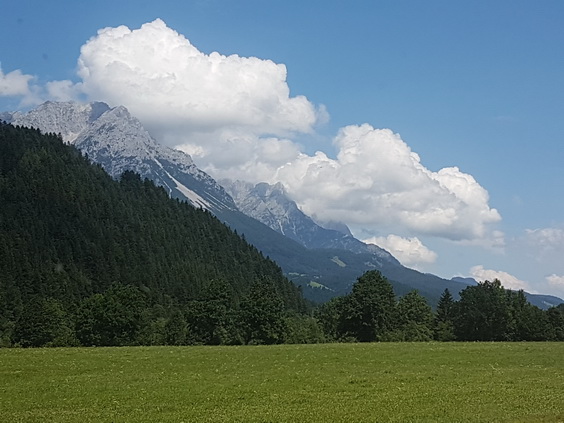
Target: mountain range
324,261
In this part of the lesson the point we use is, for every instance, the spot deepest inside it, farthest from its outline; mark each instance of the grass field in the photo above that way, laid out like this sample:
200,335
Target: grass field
387,382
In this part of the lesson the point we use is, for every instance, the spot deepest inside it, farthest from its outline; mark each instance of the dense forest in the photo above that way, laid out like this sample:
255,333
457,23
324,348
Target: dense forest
87,260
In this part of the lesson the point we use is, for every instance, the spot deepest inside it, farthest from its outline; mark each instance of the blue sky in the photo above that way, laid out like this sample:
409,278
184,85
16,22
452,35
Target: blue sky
474,85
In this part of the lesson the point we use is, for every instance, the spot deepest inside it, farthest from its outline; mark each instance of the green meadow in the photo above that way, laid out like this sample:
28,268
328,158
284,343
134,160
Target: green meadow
379,382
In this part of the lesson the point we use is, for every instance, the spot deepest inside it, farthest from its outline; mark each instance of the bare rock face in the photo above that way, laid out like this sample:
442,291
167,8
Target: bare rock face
119,142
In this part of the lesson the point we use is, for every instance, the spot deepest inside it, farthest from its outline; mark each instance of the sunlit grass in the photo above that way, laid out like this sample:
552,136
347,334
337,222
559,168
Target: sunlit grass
387,382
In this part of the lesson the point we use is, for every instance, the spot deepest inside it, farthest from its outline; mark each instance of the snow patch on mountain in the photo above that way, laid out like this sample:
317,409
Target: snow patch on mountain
191,195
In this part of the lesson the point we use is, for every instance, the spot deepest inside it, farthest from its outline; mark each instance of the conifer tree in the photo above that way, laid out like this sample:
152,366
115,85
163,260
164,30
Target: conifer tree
443,322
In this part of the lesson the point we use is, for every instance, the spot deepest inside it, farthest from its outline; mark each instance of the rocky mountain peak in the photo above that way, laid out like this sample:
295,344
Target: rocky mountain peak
271,205
69,119
118,141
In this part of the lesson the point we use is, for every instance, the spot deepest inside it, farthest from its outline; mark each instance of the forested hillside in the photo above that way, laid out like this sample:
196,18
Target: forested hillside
88,260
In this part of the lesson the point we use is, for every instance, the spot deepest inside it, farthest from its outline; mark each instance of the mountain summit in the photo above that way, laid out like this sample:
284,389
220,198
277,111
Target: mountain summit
270,205
118,141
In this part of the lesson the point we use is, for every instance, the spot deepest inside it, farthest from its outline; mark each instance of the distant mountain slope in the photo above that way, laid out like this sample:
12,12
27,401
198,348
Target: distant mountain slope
270,205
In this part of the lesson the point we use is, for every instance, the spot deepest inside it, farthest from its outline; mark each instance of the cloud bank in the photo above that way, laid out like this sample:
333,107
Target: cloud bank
236,117
556,281
31,92
409,251
164,80
18,84
508,281
546,240
377,180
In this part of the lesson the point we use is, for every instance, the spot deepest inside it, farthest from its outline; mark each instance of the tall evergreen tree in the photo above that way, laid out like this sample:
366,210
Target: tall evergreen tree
529,323
443,323
262,314
415,318
555,327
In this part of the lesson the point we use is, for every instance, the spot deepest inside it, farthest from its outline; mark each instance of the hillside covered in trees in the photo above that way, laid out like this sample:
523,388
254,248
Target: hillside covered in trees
88,260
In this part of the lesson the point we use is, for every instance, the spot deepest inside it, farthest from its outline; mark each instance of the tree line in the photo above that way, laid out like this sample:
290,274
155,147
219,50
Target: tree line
123,315
89,261
484,312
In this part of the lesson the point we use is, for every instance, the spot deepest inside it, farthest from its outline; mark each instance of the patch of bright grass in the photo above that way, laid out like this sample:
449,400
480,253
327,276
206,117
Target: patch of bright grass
386,382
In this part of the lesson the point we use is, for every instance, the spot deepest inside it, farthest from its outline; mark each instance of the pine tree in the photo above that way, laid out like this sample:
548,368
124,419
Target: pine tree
443,322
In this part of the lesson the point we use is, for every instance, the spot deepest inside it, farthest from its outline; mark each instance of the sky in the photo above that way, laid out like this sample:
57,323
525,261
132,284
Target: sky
434,129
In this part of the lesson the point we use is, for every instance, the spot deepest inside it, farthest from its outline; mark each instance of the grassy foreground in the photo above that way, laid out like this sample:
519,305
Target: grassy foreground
388,382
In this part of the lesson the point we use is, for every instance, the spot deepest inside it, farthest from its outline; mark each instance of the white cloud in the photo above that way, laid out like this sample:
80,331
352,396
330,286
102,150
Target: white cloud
167,82
508,281
63,90
31,93
230,113
236,117
555,280
18,84
409,251
546,239
377,180
240,155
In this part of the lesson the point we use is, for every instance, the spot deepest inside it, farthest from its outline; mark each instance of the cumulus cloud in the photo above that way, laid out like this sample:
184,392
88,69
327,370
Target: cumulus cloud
239,155
31,93
236,117
164,80
508,281
409,251
18,84
63,91
377,180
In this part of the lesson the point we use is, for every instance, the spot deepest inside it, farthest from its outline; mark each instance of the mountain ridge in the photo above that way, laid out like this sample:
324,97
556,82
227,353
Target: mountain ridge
271,205
115,139
312,256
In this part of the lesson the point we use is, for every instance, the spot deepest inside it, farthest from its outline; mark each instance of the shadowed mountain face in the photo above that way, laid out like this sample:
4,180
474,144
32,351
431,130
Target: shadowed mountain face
324,261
